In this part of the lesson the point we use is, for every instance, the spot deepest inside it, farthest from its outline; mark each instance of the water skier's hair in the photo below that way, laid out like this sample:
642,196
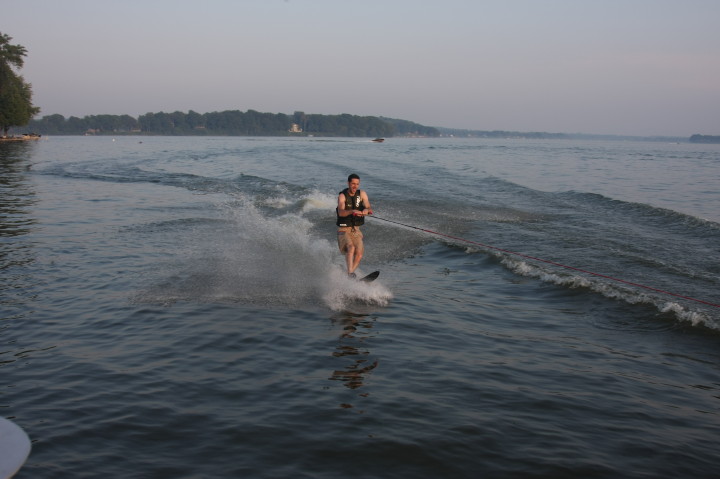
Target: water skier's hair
353,176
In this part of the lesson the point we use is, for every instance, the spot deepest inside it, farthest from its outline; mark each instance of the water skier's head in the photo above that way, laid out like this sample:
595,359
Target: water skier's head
353,183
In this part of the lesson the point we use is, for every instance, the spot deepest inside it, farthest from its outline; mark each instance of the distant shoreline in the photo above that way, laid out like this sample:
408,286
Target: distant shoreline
298,124
508,136
705,139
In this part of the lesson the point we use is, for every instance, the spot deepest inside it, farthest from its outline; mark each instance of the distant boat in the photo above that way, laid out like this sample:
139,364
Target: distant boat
379,140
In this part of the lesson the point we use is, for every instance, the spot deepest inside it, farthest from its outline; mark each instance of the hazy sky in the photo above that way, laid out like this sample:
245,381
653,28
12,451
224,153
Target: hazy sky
632,67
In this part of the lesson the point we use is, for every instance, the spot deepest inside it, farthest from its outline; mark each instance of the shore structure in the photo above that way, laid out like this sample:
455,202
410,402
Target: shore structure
23,137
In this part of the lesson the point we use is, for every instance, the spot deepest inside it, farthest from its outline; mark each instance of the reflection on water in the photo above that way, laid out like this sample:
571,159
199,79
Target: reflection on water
16,193
17,196
352,347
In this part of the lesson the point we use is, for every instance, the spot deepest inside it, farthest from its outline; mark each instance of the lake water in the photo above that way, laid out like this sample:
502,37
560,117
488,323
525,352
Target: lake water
176,307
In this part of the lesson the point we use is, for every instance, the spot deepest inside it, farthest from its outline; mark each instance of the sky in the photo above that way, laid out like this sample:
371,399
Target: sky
622,67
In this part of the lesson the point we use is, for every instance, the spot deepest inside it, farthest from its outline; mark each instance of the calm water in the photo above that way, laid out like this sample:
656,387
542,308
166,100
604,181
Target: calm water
176,308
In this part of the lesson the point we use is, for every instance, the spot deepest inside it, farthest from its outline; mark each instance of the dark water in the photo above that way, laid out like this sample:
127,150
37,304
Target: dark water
176,308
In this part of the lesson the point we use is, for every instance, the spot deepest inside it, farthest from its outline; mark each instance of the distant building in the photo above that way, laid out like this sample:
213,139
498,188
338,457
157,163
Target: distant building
295,128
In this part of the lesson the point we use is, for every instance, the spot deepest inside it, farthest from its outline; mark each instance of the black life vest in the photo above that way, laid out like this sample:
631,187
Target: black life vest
351,203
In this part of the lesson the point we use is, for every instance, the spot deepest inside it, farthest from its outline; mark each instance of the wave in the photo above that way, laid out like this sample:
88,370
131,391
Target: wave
683,310
663,216
267,193
640,265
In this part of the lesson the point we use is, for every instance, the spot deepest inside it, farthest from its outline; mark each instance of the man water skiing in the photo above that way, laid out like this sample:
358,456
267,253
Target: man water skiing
353,205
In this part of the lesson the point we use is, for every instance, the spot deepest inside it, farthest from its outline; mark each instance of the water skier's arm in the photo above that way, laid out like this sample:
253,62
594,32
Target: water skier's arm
366,202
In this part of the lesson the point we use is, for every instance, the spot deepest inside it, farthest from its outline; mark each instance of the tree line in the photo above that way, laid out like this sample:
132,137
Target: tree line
705,139
230,123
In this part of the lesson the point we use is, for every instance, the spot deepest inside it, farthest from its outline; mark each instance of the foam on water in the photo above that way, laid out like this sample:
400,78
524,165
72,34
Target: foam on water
343,293
687,313
317,200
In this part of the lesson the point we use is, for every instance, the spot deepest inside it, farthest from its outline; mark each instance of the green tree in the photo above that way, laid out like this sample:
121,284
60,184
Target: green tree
49,124
157,123
16,108
76,125
195,121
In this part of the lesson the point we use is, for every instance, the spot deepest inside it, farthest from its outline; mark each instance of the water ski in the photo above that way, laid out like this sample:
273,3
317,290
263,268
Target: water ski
371,277
14,448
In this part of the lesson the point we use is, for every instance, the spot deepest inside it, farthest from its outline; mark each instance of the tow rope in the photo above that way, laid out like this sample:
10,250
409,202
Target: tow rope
549,262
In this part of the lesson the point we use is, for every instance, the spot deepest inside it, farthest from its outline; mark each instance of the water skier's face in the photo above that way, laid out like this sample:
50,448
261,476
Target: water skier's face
353,185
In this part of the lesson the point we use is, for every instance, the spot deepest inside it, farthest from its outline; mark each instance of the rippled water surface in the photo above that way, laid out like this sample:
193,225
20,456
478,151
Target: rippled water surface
177,307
